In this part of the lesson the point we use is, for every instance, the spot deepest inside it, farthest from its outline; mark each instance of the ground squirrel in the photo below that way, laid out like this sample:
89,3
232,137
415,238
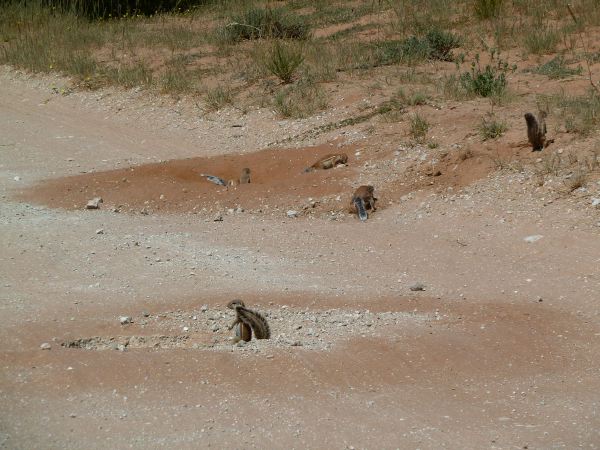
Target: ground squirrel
363,199
328,161
244,318
245,177
536,130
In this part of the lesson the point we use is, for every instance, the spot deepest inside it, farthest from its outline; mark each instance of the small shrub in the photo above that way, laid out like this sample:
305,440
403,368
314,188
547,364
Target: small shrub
441,44
488,9
258,23
489,82
490,128
418,127
557,68
283,60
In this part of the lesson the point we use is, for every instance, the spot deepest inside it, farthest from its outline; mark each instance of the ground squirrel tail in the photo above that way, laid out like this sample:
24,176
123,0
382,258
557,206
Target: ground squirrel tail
360,208
536,130
256,321
214,179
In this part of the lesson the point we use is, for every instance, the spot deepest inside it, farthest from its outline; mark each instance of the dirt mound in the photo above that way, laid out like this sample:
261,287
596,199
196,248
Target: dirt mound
277,181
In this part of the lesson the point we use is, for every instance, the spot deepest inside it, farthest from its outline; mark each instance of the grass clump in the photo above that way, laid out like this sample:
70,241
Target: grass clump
129,76
581,114
436,44
175,79
490,128
217,98
541,39
488,9
283,60
416,98
258,23
557,68
419,126
300,100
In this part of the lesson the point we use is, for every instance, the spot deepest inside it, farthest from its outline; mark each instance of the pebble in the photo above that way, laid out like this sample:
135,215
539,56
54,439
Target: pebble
292,213
45,346
533,238
595,201
417,287
100,231
145,314
94,203
125,320
17,178
204,308
218,218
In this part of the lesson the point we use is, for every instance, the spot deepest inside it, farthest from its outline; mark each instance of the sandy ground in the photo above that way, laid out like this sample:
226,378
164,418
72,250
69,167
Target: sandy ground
499,351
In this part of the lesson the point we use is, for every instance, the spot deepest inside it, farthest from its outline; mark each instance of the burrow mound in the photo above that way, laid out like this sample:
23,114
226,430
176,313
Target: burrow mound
278,181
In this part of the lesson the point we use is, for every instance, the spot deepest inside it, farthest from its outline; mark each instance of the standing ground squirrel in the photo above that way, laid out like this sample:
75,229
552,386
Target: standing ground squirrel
245,317
328,162
536,130
245,176
363,199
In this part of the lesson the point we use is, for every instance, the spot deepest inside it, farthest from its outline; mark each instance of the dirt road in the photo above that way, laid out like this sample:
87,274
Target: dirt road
499,351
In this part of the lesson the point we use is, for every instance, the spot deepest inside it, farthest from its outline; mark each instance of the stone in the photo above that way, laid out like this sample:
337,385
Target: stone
99,231
595,201
125,320
533,238
291,213
218,218
417,287
145,314
94,203
204,308
45,346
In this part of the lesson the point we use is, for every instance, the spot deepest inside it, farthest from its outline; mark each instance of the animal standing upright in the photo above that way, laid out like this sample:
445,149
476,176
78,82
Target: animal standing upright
245,318
245,176
536,130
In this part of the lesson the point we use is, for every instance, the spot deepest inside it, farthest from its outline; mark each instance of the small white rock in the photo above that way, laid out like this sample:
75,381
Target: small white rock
94,203
292,213
100,231
533,238
17,178
186,329
125,320
45,346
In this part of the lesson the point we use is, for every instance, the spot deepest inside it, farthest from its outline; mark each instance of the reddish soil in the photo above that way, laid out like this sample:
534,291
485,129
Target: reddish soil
499,351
